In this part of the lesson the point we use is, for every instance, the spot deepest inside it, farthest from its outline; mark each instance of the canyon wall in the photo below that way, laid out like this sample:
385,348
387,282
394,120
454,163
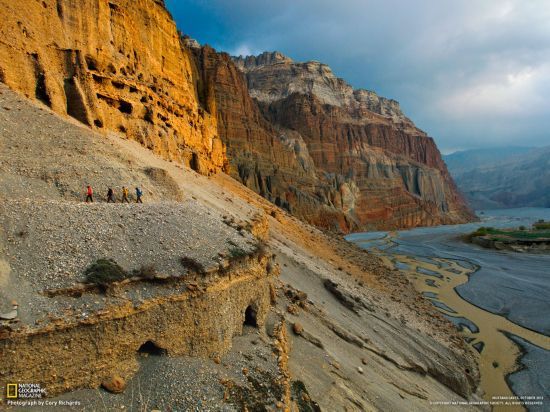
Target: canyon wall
336,157
114,65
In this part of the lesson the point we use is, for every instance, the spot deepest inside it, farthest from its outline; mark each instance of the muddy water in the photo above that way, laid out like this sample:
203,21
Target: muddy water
499,300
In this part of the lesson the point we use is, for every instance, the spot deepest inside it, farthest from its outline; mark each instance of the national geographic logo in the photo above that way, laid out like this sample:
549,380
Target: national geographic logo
25,391
11,391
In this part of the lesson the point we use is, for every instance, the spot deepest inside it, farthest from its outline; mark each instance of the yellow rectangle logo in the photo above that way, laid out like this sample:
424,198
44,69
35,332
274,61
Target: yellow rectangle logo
11,391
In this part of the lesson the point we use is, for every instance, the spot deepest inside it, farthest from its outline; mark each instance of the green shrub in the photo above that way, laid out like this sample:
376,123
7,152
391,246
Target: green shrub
542,225
482,231
103,272
237,253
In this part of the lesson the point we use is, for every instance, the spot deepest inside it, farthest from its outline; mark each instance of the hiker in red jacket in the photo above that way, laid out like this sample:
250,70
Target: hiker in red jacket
89,194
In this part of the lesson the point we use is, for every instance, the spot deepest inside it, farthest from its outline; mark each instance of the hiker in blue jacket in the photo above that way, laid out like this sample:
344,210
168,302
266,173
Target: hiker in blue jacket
139,193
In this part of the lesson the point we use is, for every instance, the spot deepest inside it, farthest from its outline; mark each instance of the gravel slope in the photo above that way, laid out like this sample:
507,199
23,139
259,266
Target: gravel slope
48,236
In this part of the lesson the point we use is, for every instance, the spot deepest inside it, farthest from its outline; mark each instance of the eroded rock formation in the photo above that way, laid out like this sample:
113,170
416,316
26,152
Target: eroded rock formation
372,167
296,134
177,319
113,65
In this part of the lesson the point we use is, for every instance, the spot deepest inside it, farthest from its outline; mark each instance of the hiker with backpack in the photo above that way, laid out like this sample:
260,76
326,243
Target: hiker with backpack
139,193
125,195
89,194
110,196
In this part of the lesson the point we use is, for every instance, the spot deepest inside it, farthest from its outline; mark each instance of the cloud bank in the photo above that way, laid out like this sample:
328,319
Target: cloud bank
471,74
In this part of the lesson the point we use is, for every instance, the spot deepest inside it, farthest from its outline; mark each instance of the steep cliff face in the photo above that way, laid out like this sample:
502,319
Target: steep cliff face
261,157
295,133
352,159
113,65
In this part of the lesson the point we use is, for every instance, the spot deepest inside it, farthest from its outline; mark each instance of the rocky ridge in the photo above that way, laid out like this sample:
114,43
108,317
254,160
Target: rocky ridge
336,157
270,80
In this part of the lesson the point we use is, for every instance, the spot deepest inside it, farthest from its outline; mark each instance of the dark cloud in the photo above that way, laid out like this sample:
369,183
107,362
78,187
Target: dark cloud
472,74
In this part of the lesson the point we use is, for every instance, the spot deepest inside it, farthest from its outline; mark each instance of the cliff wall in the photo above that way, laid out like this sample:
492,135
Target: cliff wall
261,157
113,65
340,158
337,157
385,176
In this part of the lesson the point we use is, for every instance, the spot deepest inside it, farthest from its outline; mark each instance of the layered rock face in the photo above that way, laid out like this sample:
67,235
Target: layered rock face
357,161
298,135
261,157
114,65
285,77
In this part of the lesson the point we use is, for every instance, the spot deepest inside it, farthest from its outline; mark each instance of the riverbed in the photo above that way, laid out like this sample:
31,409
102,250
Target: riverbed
499,300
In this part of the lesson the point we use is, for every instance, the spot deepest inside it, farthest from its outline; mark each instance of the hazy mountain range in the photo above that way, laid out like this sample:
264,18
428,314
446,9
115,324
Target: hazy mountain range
504,177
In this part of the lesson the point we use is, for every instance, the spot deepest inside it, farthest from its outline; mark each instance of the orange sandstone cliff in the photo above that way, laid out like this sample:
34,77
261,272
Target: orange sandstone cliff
114,65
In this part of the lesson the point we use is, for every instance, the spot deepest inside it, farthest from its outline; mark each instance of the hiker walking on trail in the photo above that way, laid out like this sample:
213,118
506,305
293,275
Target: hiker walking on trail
139,193
110,196
89,194
125,194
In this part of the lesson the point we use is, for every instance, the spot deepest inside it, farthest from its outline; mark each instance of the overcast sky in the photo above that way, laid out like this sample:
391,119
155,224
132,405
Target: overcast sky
471,73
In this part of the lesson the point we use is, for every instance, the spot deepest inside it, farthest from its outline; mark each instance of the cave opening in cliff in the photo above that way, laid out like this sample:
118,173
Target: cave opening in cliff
125,107
250,317
194,163
76,105
151,348
91,63
40,90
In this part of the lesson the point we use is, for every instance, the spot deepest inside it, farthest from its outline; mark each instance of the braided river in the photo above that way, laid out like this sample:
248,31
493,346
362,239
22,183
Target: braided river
499,300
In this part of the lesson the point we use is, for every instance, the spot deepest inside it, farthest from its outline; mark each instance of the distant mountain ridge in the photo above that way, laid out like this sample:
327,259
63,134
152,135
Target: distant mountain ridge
503,177
466,160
